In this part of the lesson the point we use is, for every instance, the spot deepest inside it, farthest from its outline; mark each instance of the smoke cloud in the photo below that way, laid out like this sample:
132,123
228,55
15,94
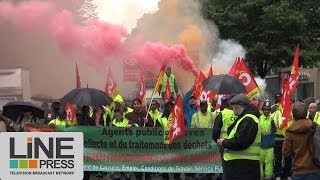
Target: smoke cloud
96,43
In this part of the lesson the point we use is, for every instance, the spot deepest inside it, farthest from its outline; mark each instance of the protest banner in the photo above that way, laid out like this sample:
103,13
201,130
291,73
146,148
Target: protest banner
142,150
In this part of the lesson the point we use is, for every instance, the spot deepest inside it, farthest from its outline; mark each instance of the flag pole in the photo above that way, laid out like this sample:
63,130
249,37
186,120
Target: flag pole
152,95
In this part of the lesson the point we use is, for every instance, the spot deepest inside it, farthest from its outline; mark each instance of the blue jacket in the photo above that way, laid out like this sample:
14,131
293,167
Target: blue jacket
188,111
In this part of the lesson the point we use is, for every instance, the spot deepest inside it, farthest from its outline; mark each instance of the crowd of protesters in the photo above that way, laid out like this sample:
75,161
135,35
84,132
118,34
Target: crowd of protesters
247,132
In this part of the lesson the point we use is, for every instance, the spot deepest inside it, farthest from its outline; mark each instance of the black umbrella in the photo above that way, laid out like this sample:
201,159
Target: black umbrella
87,97
224,84
13,109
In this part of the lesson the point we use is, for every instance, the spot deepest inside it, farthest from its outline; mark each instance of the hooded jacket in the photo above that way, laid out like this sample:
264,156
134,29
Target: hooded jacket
296,144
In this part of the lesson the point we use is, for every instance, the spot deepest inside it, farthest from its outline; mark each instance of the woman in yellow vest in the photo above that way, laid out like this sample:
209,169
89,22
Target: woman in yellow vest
242,146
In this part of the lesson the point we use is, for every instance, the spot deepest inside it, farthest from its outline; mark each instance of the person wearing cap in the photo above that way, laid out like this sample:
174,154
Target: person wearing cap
267,141
203,118
241,153
313,114
168,76
117,101
189,107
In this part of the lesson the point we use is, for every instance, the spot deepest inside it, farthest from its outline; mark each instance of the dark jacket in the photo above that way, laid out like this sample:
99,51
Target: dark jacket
243,138
246,131
138,118
296,144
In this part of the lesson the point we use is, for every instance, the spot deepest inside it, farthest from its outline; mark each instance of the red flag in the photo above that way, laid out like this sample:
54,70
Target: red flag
159,80
70,113
167,95
210,71
234,67
241,71
78,85
142,92
283,83
290,89
176,126
198,85
111,87
294,75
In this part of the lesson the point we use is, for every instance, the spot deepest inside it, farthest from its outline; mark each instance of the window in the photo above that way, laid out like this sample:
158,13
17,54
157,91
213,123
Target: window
305,90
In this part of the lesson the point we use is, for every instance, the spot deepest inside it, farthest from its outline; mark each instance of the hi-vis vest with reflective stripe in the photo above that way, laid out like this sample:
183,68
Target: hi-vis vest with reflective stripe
316,117
277,118
171,82
58,121
122,123
227,119
250,153
155,116
205,120
265,124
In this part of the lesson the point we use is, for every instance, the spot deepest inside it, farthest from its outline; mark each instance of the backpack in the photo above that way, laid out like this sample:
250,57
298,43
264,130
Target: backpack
315,136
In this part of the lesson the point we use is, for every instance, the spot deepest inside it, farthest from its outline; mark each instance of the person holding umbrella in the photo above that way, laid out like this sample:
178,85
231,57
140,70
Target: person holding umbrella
25,118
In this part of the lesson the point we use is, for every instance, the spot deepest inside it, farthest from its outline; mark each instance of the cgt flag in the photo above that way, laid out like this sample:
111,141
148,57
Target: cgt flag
240,70
70,113
167,96
111,88
176,126
289,90
159,80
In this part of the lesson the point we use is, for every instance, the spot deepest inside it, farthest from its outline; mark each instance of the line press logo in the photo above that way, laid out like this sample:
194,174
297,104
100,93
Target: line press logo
42,155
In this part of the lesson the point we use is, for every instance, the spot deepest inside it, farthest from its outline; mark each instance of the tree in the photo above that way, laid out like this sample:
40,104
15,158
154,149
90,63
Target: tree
269,30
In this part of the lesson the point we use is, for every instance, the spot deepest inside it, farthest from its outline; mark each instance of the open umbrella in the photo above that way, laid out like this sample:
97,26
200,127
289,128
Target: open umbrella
224,84
42,98
13,109
86,97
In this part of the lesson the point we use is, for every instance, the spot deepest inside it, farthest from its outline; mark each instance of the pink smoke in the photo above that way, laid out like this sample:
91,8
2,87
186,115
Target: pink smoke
29,16
151,54
96,41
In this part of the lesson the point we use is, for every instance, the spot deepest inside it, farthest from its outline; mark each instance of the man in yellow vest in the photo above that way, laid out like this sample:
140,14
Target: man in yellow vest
168,76
268,128
313,114
242,146
155,113
223,120
60,120
203,118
